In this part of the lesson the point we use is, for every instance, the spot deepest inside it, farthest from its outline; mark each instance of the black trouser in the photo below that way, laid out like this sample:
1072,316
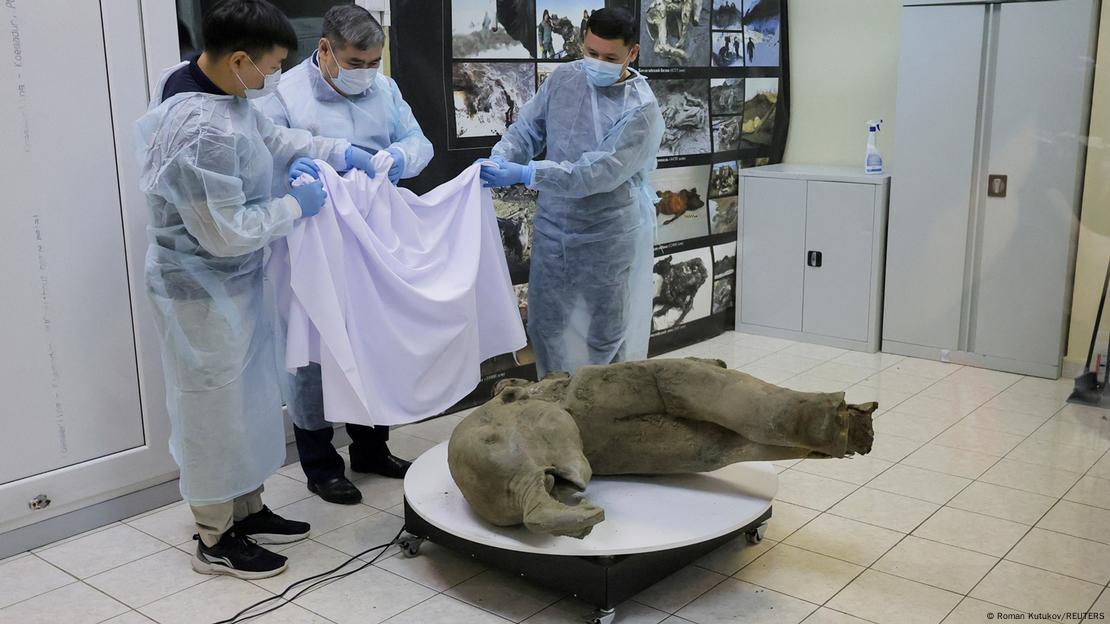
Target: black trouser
320,460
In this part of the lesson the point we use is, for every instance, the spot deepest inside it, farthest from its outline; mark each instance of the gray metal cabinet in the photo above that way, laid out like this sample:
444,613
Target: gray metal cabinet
973,278
811,254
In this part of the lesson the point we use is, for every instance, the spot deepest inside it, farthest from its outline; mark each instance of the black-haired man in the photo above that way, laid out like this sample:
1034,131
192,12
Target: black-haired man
590,288
209,163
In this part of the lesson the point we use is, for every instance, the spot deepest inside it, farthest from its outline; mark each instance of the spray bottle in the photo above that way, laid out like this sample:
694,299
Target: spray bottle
873,163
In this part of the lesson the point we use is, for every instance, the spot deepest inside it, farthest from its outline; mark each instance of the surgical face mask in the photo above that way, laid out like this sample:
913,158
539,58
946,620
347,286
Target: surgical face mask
269,83
351,81
602,73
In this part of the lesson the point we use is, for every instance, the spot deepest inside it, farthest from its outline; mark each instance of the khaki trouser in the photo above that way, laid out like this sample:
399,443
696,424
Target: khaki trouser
214,520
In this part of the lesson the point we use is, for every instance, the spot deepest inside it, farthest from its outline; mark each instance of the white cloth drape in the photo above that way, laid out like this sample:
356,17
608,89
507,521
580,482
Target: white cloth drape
398,297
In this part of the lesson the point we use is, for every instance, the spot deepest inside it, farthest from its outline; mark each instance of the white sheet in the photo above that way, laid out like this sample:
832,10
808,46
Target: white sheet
398,297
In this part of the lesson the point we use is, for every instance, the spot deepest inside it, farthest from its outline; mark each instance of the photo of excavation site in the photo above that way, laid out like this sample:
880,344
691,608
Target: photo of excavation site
724,180
561,27
726,134
543,72
728,49
488,96
726,96
680,203
683,288
724,260
492,29
727,14
683,104
762,27
515,207
674,33
724,215
723,297
760,105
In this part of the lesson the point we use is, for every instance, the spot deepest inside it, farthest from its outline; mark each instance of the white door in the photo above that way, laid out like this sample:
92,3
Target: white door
80,424
939,73
773,248
1037,129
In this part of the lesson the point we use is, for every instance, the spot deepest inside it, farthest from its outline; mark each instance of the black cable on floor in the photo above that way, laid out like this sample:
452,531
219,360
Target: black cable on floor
239,617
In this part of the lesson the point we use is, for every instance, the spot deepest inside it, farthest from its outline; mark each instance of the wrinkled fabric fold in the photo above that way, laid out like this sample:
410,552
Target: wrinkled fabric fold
398,297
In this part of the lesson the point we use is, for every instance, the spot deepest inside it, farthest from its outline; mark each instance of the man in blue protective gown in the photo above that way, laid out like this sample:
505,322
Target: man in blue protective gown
216,175
590,286
338,92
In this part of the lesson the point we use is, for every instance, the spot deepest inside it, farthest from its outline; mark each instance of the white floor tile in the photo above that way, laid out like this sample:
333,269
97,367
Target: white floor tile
737,602
216,598
893,448
848,540
437,429
1091,491
952,408
1081,414
445,610
281,491
917,427
131,617
679,589
874,361
964,529
1101,469
294,471
102,551
887,399
381,492
307,558
890,511
963,436
1031,477
787,518
1003,421
1085,435
1003,502
436,567
408,447
1060,456
887,599
1029,589
785,361
972,611
1078,520
839,371
141,582
574,611
815,351
1032,405
27,577
173,525
800,573
828,616
807,490
75,603
807,382
995,380
858,469
361,535
920,484
324,516
1102,605
960,393
761,342
926,368
939,565
1064,554
957,462
509,597
291,614
737,355
770,374
369,597
899,382
737,553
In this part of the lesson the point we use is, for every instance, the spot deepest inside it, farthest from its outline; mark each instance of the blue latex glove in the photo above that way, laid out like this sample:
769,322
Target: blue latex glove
303,166
398,166
311,197
506,174
358,158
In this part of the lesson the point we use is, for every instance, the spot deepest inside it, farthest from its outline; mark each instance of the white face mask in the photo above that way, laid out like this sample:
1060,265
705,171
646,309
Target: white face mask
351,81
269,83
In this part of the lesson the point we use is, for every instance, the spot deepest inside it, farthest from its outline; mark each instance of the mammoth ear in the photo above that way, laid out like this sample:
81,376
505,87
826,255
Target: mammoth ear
509,383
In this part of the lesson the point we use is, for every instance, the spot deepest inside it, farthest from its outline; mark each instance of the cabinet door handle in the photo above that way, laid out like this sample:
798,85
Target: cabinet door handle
813,259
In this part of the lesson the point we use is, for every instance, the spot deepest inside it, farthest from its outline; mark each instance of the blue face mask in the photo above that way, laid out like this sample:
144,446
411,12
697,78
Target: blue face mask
602,73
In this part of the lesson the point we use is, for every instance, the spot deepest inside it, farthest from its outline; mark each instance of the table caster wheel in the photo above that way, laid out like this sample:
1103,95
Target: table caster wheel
755,535
410,545
602,616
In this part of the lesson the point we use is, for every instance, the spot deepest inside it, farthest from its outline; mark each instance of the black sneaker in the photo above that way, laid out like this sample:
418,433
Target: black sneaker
239,556
266,527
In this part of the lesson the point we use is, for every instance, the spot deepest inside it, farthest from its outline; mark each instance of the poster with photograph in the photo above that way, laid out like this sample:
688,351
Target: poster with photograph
727,15
492,29
724,180
674,33
686,115
683,288
487,96
724,296
724,260
726,134
521,291
543,70
724,215
561,27
516,207
680,204
762,23
728,49
760,108
726,96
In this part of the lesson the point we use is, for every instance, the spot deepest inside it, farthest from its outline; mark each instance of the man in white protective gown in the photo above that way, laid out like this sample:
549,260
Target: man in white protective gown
339,92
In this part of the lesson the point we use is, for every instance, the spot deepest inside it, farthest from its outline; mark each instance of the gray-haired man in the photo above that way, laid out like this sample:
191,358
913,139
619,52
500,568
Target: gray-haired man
338,92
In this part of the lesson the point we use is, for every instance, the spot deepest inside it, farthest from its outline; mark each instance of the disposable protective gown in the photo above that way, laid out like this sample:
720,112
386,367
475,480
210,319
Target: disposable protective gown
590,284
376,119
208,165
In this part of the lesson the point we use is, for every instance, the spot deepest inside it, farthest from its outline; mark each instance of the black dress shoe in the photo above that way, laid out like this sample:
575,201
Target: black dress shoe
338,490
386,465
